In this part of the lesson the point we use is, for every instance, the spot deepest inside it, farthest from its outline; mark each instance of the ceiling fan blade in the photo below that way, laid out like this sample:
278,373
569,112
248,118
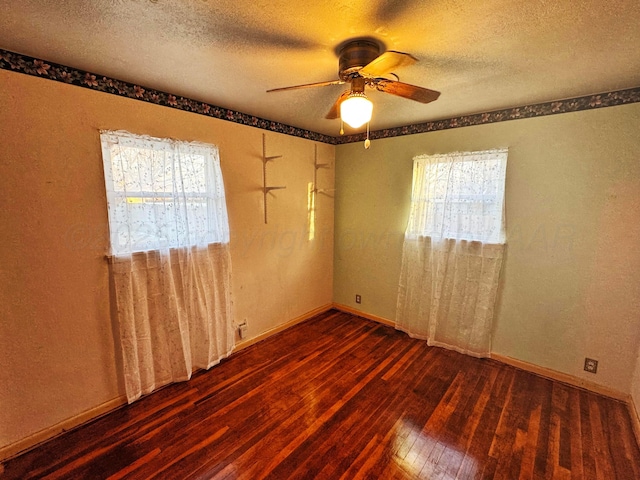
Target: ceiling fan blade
385,63
307,85
335,109
419,94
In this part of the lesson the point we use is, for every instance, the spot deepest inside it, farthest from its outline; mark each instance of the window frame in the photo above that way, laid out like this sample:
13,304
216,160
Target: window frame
213,194
423,222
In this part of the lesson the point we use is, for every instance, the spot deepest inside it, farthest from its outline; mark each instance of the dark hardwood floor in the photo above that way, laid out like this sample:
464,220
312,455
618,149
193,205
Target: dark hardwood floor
342,397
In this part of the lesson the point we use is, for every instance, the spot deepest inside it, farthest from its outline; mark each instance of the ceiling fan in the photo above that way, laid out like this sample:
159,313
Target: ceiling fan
361,64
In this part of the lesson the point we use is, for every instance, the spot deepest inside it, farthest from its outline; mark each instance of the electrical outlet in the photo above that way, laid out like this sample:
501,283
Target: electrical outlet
590,365
358,299
242,329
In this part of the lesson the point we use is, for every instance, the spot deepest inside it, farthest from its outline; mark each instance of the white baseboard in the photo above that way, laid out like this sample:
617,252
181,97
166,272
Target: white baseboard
562,377
306,316
31,441
368,316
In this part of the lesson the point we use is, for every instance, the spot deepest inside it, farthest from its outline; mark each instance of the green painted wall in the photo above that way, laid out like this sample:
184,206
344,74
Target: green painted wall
571,278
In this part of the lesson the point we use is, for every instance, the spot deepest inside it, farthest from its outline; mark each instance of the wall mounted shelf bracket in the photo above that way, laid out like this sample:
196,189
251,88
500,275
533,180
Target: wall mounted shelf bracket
266,189
318,166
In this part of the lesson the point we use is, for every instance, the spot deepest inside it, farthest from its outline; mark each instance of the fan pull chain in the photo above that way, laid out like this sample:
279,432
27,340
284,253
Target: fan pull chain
367,142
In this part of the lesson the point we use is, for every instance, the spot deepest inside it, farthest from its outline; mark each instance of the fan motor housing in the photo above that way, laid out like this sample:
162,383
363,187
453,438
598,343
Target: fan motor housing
355,55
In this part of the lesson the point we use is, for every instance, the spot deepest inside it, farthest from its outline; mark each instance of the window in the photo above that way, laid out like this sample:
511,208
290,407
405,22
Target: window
459,195
162,193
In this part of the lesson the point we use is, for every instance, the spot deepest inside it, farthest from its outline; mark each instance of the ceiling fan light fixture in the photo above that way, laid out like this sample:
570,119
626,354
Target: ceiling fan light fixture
356,110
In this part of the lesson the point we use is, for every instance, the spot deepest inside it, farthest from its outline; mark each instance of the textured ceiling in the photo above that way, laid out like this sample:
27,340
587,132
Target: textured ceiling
482,55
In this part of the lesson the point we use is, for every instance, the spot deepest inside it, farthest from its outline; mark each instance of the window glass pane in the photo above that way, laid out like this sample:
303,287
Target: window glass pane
459,195
162,193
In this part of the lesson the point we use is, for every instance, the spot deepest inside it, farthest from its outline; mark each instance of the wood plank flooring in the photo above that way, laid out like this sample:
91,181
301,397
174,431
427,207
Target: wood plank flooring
339,397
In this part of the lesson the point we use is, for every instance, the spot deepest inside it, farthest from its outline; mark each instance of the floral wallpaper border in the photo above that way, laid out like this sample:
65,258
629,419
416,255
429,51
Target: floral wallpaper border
40,68
609,99
53,71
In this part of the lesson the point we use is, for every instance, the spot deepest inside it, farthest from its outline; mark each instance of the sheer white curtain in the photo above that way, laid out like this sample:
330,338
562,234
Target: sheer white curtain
170,262
453,250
